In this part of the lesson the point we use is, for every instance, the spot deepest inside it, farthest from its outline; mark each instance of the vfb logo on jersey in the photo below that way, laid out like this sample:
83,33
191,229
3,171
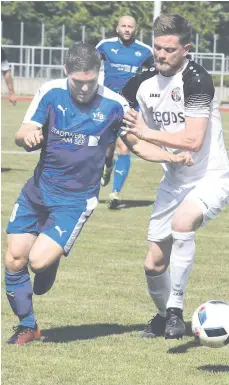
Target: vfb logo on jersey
98,116
137,53
176,94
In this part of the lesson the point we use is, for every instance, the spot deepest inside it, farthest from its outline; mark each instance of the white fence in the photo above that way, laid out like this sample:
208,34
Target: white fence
47,62
33,65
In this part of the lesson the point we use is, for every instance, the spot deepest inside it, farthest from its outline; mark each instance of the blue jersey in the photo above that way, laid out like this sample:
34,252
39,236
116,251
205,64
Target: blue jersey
75,142
122,62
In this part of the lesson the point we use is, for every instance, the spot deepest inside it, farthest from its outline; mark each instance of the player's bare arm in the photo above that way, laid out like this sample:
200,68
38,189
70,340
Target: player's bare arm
29,135
191,138
153,153
9,82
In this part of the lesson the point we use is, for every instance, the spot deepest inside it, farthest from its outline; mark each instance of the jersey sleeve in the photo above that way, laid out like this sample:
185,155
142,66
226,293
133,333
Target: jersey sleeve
148,63
116,127
198,92
129,91
100,49
38,110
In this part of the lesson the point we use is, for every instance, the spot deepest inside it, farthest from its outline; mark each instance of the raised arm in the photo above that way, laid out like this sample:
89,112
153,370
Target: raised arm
153,153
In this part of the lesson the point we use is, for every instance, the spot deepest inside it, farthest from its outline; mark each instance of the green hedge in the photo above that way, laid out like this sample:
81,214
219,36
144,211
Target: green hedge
216,80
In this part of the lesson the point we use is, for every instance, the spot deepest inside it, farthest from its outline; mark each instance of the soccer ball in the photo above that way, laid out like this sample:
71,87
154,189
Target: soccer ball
210,324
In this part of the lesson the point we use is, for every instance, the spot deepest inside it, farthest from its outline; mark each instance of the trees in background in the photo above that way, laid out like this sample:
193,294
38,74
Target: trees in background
208,18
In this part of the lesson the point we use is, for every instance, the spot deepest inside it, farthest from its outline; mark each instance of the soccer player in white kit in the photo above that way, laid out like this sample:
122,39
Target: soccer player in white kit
180,113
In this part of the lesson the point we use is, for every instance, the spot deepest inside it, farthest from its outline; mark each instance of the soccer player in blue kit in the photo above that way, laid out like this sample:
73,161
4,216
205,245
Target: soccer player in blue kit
72,120
123,57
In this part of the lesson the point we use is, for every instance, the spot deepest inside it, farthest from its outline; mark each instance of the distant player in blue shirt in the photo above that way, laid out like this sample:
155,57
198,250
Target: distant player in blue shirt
72,120
123,58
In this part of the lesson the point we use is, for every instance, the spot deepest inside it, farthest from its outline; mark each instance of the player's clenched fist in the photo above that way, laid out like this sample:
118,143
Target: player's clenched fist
184,158
33,138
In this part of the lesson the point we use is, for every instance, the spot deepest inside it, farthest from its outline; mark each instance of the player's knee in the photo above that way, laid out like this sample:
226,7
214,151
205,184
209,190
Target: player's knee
15,260
181,224
154,264
122,149
155,269
37,264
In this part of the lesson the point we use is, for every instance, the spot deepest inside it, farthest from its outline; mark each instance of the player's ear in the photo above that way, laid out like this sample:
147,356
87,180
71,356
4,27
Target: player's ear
65,70
187,48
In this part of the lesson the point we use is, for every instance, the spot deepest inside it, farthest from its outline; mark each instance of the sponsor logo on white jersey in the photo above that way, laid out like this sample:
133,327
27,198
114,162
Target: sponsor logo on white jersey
168,117
60,231
175,94
62,109
114,50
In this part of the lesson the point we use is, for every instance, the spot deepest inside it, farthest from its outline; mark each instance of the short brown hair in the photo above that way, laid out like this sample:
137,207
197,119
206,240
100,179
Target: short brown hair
166,24
82,57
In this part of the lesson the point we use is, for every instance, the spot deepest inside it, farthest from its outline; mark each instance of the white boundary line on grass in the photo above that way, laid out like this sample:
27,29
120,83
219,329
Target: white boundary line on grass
8,152
20,152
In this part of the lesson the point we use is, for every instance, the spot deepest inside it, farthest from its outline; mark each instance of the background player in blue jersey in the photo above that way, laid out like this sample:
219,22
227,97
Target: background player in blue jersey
72,120
123,57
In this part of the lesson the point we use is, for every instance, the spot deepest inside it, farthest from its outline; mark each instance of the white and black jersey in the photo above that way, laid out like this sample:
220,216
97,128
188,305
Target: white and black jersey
165,102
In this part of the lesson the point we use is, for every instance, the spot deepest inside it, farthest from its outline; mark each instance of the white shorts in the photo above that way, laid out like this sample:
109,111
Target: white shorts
210,194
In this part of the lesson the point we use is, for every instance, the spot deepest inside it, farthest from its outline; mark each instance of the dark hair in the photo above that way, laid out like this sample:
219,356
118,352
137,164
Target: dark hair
173,25
82,57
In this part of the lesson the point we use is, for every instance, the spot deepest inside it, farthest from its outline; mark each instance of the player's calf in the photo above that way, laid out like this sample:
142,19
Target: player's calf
44,281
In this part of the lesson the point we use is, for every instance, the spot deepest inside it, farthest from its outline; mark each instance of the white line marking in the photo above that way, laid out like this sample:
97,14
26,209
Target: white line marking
20,152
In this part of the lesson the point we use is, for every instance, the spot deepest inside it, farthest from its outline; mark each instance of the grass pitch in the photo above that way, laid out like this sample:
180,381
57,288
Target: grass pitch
91,318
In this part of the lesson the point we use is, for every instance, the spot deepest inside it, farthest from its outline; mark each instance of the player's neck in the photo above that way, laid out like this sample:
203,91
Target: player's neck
126,43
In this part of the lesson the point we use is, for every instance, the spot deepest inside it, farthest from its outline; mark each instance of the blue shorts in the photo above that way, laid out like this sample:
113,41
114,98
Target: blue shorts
62,224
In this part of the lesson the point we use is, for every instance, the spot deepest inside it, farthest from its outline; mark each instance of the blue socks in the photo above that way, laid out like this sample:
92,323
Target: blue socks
121,171
19,293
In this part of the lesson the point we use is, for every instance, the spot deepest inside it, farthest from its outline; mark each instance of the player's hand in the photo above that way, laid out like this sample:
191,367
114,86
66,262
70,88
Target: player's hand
13,99
183,158
33,138
135,124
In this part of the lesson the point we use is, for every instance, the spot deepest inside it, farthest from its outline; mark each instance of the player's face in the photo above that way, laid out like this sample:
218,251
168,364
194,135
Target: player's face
126,29
83,85
169,54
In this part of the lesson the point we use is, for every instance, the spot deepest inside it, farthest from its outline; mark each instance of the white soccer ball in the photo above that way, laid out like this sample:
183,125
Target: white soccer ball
210,323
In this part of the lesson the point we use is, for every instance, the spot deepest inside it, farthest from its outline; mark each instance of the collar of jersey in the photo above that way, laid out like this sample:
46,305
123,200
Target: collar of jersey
123,45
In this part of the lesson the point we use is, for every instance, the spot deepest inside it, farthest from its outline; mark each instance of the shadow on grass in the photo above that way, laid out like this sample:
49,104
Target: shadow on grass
214,368
7,169
86,332
126,204
183,348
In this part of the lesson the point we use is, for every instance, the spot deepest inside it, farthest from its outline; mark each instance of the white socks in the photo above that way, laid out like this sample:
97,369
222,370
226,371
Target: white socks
181,260
159,288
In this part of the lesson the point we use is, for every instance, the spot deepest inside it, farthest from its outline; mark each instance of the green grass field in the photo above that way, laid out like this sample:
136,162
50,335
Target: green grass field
91,318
